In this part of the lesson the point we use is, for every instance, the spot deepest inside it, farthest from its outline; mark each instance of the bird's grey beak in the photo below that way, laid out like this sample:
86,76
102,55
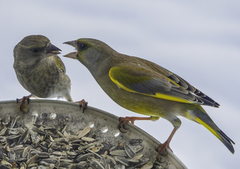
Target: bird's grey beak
53,49
72,55
72,43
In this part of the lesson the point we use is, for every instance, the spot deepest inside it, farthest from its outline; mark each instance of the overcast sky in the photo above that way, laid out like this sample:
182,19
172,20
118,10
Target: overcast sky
198,40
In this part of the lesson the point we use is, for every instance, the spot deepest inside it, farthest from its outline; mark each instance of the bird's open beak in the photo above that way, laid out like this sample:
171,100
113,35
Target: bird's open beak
72,43
72,55
53,49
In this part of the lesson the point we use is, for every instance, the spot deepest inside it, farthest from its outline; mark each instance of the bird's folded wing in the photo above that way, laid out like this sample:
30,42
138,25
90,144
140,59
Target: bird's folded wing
60,64
139,80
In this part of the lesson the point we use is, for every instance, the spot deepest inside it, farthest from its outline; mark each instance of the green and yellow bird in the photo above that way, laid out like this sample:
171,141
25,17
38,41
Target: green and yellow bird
145,88
40,70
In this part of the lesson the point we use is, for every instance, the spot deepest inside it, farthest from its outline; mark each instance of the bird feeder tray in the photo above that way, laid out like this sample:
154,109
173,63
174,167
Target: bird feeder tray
50,119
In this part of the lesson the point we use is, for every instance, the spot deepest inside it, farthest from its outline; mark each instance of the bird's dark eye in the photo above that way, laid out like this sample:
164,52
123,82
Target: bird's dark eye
82,46
36,50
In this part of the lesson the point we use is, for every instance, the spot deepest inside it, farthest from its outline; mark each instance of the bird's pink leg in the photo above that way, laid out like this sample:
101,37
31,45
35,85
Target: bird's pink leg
161,147
124,120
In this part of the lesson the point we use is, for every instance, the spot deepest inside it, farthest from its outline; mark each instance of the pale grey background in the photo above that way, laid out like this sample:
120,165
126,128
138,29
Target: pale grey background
198,40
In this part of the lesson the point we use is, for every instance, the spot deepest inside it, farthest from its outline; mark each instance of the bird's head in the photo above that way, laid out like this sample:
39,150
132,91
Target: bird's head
34,47
91,52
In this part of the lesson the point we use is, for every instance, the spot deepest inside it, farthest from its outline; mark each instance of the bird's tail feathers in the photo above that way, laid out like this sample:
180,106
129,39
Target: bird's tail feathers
200,116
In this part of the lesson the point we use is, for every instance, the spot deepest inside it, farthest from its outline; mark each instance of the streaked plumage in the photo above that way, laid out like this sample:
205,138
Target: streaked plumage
39,69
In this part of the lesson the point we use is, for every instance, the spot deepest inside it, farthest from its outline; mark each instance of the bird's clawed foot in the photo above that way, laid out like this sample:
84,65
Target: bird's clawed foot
22,100
124,120
82,104
161,147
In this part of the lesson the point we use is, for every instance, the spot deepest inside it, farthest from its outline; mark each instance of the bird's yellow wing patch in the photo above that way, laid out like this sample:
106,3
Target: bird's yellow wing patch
139,80
60,64
172,98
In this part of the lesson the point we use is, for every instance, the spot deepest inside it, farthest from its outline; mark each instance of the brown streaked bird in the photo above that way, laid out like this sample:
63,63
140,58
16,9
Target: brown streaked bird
40,70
